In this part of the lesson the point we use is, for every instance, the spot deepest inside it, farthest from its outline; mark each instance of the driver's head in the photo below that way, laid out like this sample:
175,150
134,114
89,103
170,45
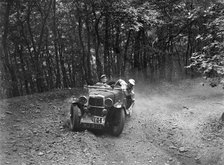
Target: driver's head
103,78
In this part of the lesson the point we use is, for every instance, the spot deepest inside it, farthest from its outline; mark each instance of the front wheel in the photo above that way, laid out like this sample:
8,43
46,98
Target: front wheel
118,124
74,119
222,117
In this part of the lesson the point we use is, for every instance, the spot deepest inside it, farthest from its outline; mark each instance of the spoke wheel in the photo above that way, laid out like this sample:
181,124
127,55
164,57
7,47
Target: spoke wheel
74,119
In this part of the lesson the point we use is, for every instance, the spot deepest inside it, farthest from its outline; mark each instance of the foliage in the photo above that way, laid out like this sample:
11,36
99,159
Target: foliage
209,59
60,44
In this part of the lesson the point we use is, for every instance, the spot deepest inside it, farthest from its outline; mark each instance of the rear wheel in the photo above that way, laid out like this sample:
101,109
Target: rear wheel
118,123
74,119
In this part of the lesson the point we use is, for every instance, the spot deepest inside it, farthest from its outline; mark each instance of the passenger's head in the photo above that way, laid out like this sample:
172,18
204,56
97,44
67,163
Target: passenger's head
131,83
103,78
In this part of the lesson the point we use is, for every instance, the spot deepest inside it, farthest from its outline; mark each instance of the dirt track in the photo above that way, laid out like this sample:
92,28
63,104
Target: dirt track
172,124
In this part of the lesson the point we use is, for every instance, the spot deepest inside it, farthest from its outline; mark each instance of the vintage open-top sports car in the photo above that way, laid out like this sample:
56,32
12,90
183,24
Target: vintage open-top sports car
103,107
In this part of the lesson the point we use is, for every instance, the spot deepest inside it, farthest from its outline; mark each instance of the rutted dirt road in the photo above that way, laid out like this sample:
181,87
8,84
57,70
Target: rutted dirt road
172,124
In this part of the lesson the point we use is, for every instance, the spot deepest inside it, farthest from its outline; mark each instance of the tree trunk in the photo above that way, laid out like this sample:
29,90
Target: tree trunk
14,72
58,75
106,45
118,51
49,63
20,52
88,55
5,57
97,46
188,48
84,65
64,75
137,51
125,52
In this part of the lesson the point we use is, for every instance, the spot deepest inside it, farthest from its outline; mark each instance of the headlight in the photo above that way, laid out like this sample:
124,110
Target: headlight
109,102
82,100
104,112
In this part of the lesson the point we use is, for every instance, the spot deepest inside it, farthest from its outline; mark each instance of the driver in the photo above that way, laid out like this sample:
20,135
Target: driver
103,81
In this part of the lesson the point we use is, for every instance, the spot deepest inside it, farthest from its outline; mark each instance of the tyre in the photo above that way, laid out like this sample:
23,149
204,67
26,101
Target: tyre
222,117
74,119
118,124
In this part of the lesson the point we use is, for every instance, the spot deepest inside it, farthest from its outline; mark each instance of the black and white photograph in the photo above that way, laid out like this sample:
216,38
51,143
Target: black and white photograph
111,82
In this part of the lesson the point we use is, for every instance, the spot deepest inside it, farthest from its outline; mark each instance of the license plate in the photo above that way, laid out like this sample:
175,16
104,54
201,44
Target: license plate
93,126
98,120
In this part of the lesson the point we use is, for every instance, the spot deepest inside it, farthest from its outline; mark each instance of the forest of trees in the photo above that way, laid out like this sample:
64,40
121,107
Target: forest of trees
48,44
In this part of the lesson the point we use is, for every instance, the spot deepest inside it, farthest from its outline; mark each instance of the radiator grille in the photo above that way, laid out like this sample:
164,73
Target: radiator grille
96,111
96,101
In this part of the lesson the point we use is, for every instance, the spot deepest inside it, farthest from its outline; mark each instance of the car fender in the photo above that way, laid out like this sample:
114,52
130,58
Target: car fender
120,105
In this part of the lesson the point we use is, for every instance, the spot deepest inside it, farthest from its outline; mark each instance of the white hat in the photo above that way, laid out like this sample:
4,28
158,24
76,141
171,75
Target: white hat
131,81
103,76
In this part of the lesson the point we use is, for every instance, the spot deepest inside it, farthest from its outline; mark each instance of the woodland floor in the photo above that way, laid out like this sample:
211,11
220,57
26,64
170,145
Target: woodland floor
172,124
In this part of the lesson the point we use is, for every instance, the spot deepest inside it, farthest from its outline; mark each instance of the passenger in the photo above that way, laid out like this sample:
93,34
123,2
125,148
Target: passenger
103,81
122,84
127,87
130,89
130,96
